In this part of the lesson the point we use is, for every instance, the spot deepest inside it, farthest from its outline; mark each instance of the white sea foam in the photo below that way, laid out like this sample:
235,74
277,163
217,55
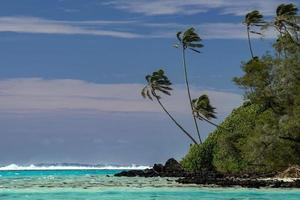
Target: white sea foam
14,167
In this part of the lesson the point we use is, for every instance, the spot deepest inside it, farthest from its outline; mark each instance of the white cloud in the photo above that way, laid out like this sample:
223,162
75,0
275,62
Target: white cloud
95,28
44,26
188,7
209,31
34,94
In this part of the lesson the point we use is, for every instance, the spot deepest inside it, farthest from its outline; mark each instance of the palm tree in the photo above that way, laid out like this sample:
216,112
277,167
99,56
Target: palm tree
158,82
189,40
286,20
253,18
203,110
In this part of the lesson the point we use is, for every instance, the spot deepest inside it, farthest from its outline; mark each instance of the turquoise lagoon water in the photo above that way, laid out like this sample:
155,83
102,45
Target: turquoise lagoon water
102,185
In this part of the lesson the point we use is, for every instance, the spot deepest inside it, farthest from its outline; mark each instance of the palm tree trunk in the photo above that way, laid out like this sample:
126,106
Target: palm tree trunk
249,42
210,122
181,128
189,93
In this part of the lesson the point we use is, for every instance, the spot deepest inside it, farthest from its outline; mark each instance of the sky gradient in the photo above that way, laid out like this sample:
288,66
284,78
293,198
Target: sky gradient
71,73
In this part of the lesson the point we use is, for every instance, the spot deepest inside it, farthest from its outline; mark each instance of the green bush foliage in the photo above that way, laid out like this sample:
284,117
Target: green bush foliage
199,157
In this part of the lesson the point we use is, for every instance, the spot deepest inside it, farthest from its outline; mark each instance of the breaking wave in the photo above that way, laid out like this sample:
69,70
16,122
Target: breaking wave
14,167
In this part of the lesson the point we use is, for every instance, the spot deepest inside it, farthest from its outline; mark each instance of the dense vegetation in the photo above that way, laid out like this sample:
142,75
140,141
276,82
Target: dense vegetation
262,135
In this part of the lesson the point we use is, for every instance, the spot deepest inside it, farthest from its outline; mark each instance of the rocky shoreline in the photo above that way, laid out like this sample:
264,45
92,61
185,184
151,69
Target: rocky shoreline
211,178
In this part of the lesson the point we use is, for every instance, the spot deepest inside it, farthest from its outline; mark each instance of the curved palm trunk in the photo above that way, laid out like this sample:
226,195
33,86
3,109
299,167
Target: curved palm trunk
210,122
181,128
189,93
249,42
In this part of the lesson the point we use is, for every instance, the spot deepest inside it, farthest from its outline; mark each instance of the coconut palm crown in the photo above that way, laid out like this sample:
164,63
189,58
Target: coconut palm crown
190,40
287,22
157,82
286,10
286,16
202,109
253,18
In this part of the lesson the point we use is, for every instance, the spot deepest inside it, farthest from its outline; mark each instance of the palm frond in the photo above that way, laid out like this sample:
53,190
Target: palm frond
190,39
178,35
203,108
164,91
149,95
166,87
255,32
143,92
195,50
156,82
254,18
286,10
196,45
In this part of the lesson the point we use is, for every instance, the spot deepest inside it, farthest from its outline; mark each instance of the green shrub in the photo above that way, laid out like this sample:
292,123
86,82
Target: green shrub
246,142
199,157
228,152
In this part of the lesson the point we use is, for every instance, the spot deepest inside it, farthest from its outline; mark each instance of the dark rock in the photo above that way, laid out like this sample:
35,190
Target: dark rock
141,173
172,166
233,181
173,169
158,168
150,173
131,173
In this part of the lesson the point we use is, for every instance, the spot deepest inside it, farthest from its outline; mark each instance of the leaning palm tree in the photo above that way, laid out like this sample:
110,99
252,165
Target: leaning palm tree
253,18
203,110
287,20
189,40
157,83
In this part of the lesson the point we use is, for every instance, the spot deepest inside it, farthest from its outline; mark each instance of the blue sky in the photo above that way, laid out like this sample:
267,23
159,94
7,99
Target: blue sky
71,71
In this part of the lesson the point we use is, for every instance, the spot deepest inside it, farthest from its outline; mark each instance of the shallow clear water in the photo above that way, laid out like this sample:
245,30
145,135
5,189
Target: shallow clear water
100,184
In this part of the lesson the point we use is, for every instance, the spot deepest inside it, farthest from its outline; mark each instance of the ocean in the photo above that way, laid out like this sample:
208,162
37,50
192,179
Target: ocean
82,183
